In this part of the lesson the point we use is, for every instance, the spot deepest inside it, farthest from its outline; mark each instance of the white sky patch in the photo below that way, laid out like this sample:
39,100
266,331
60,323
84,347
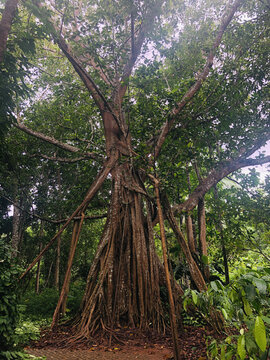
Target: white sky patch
262,169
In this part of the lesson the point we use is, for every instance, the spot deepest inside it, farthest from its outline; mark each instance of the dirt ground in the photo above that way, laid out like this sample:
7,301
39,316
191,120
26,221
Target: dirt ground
128,344
156,353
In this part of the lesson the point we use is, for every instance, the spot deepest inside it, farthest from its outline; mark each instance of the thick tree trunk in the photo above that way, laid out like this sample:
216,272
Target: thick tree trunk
18,220
123,285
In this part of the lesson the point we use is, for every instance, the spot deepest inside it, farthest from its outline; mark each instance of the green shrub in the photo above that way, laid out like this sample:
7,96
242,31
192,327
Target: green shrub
244,305
75,296
25,332
12,335
38,306
9,313
42,306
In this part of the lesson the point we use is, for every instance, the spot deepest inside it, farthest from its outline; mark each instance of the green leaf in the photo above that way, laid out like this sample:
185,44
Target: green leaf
194,297
214,285
224,312
223,352
185,302
260,334
241,351
251,345
205,260
261,285
247,307
250,292
266,319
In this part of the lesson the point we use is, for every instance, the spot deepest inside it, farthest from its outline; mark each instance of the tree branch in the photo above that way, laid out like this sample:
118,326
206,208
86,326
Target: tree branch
32,214
59,159
214,177
225,21
91,86
136,45
98,67
98,97
102,175
54,141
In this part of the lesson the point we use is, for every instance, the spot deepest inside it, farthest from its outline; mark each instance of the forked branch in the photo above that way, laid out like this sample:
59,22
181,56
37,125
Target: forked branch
136,46
226,19
214,177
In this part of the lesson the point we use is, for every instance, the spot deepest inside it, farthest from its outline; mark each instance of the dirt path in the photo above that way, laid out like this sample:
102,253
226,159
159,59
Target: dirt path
125,354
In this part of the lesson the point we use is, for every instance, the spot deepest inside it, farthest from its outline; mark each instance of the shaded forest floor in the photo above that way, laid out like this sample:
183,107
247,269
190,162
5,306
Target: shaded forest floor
126,343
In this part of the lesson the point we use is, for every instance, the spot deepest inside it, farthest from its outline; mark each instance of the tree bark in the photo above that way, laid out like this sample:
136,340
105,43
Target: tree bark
123,284
5,24
38,272
222,240
57,263
107,167
202,238
176,348
62,301
190,234
193,268
15,229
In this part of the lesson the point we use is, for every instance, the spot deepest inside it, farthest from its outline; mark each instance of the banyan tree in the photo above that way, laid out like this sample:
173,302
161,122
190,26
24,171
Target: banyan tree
107,43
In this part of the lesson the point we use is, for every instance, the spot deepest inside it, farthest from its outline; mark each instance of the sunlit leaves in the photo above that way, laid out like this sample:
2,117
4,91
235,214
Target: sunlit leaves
260,334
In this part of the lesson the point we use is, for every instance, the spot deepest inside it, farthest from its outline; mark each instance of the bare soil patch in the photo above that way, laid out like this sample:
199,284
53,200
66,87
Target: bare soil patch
123,343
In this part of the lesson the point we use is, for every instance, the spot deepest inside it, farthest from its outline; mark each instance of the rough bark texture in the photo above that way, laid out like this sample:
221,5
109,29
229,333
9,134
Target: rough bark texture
5,24
123,285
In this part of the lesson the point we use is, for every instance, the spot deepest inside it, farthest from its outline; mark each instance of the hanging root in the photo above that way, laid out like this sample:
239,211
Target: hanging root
123,284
